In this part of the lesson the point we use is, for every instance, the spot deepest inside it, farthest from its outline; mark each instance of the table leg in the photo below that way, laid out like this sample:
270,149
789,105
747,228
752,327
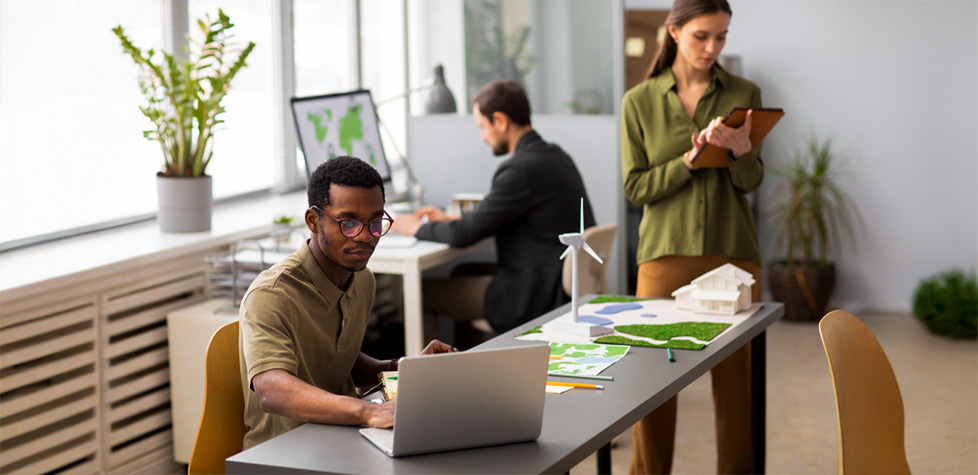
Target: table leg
758,401
604,459
413,317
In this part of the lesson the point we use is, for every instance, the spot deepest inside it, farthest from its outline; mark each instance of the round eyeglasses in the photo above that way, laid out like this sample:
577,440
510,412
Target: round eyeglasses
351,228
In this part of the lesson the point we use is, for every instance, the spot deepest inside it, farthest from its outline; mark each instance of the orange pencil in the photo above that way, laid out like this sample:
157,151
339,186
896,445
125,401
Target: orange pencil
575,385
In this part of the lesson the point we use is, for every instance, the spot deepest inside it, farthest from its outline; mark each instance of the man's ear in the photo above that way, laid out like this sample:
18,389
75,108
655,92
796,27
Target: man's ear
500,121
312,220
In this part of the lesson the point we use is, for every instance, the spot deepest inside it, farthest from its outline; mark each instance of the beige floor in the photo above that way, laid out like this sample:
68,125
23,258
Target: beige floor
938,380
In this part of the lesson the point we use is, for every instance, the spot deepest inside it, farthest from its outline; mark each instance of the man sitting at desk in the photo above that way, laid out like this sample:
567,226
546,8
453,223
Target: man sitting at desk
535,196
303,320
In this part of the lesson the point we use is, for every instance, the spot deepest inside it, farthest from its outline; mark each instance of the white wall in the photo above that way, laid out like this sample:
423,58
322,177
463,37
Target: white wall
894,84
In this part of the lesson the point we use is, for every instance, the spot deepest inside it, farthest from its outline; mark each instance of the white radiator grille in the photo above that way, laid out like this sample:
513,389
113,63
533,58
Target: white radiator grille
84,382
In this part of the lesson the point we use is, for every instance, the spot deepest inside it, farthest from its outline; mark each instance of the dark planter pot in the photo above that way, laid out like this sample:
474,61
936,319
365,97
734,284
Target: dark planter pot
805,291
184,204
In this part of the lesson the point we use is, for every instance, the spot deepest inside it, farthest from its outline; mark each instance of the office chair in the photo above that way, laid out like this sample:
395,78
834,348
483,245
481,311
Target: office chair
867,397
221,430
592,275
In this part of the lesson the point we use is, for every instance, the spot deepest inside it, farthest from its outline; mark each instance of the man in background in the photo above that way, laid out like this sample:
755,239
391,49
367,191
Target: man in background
534,197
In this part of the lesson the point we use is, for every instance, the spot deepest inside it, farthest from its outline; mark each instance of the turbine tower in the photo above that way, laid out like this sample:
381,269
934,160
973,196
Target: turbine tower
575,241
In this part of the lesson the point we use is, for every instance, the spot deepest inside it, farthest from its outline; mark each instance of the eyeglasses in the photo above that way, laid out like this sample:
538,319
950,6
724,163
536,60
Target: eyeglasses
350,227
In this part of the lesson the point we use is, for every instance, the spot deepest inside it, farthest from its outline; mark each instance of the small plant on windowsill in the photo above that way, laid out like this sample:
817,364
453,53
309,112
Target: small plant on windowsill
183,101
282,228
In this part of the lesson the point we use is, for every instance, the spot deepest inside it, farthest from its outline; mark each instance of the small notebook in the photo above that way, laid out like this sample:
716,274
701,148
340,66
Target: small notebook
762,121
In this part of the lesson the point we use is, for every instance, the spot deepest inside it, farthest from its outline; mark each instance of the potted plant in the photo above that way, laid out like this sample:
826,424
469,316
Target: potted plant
948,304
183,101
282,228
811,214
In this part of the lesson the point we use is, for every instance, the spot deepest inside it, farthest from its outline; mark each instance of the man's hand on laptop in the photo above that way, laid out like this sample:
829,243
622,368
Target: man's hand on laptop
380,415
438,347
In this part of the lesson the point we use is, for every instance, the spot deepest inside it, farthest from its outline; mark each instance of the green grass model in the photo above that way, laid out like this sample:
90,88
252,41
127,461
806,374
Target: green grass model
704,331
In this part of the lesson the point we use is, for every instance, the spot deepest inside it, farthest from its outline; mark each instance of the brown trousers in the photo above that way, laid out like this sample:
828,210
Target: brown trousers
653,437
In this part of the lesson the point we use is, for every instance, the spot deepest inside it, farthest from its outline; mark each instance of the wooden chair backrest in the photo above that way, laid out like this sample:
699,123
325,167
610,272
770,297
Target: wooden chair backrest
867,397
221,430
593,278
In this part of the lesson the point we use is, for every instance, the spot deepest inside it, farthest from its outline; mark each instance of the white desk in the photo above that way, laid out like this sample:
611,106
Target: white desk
409,262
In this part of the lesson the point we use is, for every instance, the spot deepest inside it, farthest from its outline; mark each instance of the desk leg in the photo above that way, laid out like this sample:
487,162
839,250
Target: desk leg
604,459
413,318
758,401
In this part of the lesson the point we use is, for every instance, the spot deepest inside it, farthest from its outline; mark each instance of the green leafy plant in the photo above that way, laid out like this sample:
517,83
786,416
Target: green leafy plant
947,304
813,211
183,95
283,219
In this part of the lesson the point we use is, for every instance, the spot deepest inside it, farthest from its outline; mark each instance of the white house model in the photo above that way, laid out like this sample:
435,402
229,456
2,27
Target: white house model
723,291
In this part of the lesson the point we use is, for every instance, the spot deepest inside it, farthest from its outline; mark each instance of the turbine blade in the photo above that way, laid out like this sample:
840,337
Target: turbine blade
592,253
566,252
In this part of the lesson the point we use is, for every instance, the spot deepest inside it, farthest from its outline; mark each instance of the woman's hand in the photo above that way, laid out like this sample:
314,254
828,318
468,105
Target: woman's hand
735,139
699,141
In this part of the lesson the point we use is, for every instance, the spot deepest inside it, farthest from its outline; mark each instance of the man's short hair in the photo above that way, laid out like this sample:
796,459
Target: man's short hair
507,97
345,171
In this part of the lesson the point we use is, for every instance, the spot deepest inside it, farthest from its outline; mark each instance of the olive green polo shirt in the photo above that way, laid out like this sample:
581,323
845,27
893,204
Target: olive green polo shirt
294,318
687,213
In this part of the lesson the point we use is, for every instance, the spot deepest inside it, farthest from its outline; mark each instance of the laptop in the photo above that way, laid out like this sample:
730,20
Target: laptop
468,399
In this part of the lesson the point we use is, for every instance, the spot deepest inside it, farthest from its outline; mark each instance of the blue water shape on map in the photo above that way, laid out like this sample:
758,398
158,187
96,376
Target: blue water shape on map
618,308
594,360
594,320
649,315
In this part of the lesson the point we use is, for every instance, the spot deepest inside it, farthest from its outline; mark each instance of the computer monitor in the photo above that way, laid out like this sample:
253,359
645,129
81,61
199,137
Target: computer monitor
334,125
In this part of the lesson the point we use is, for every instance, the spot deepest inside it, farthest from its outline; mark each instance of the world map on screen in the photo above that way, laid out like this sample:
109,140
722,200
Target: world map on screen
340,124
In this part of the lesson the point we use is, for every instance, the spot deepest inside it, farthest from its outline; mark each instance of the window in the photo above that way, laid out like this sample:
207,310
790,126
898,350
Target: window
243,147
322,32
71,144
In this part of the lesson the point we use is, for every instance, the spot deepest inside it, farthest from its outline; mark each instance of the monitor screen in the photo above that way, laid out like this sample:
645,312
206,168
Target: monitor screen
334,125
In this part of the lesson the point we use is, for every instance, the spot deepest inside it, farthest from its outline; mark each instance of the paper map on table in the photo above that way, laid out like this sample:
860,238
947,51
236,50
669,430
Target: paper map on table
655,323
582,359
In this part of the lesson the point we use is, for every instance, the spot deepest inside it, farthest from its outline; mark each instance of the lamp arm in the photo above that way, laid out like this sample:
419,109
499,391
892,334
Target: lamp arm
407,165
406,93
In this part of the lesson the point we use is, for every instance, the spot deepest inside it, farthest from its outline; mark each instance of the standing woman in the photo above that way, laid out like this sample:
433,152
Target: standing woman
694,220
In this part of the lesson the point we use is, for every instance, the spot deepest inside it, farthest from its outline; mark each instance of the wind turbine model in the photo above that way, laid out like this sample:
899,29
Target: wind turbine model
575,241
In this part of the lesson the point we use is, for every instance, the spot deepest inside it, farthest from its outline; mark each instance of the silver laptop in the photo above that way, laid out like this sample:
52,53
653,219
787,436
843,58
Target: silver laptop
468,399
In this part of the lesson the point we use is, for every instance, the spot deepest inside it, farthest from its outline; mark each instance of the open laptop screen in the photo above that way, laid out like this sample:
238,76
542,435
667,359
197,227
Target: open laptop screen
334,125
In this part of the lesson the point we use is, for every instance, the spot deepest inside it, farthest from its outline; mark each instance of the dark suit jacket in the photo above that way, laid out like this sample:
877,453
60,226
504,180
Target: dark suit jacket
535,196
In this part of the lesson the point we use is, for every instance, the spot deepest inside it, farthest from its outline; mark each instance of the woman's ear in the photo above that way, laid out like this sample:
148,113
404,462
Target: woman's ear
673,32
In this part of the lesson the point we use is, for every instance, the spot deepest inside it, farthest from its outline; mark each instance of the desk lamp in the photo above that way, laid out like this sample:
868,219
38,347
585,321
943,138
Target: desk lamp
575,241
440,99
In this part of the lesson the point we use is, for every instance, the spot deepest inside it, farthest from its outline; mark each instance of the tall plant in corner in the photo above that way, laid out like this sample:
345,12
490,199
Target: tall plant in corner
812,212
183,95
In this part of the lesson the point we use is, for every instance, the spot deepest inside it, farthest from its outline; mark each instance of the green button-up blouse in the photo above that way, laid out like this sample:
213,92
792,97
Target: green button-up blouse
688,213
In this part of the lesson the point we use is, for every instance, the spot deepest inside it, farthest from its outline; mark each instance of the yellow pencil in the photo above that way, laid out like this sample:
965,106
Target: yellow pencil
555,357
575,385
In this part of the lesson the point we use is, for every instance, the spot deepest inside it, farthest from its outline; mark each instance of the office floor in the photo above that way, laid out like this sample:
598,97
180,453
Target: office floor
938,379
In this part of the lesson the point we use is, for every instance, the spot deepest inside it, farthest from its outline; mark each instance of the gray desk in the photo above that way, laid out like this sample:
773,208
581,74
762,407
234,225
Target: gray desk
575,424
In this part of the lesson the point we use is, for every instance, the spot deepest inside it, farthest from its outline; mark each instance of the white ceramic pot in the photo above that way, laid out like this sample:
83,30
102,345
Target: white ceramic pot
184,204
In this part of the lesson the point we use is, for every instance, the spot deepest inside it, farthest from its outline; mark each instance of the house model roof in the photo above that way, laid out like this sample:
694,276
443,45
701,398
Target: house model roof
730,273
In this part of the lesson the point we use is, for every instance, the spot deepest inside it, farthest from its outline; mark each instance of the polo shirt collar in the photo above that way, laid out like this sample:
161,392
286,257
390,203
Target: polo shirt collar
327,289
666,81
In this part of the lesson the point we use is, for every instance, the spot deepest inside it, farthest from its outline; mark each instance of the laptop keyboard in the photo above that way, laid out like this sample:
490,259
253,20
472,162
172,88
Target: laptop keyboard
383,439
